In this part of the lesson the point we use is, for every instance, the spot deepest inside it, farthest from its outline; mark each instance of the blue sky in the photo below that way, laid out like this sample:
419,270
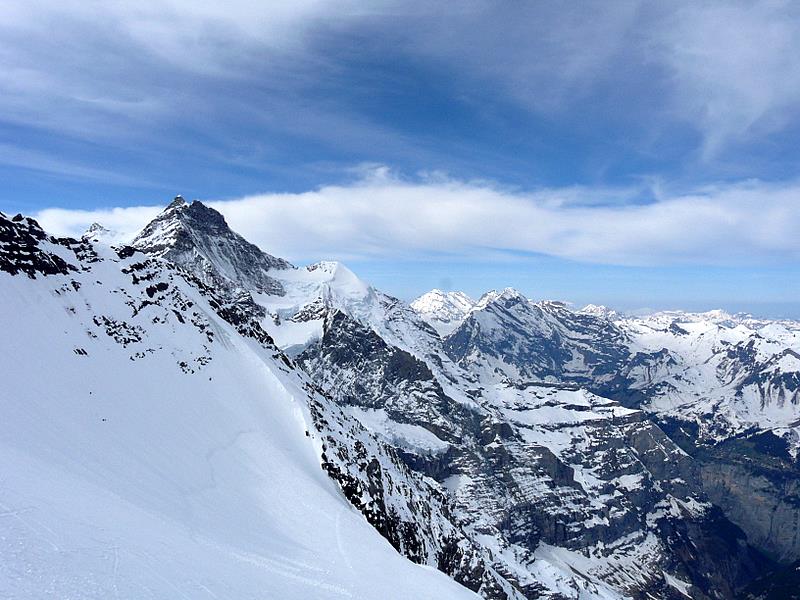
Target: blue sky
637,154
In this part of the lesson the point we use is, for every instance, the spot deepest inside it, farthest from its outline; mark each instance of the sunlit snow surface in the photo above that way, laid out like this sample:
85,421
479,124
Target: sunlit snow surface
126,476
735,368
443,310
295,318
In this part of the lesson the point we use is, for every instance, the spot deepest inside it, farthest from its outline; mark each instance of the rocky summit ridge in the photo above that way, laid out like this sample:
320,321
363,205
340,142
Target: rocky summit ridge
198,239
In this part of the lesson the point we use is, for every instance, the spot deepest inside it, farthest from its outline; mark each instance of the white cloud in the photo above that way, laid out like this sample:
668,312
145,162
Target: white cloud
384,216
545,55
734,67
111,70
123,222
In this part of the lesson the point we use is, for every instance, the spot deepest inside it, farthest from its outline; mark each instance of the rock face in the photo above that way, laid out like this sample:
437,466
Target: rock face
717,380
754,479
778,584
757,485
23,252
542,467
197,238
763,502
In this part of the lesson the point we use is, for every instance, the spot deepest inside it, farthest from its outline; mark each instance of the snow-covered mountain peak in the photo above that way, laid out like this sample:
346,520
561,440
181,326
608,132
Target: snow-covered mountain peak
180,219
485,299
600,311
177,202
331,275
197,237
444,311
554,306
307,294
717,316
436,299
330,270
324,266
511,293
505,295
98,233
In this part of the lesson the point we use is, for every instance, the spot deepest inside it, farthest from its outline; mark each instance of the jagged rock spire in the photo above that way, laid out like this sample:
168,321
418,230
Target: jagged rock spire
197,238
176,202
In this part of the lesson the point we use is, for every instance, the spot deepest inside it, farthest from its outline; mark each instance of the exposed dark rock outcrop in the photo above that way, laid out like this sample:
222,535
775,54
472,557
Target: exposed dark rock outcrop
197,238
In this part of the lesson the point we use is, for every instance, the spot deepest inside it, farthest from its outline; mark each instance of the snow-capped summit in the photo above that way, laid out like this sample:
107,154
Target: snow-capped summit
296,312
513,294
339,278
486,299
444,311
600,311
508,294
328,281
197,238
98,233
178,201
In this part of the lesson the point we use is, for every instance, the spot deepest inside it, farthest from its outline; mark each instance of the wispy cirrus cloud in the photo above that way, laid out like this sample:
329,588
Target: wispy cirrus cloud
246,76
733,68
42,162
383,215
728,70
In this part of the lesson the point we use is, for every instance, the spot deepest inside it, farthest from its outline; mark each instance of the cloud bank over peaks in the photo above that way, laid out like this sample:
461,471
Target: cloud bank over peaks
382,215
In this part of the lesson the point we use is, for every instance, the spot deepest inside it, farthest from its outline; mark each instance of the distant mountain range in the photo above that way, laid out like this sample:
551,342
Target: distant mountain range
189,416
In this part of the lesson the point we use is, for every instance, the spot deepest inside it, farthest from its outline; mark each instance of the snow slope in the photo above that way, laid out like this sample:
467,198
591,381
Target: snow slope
444,311
728,373
150,451
295,316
